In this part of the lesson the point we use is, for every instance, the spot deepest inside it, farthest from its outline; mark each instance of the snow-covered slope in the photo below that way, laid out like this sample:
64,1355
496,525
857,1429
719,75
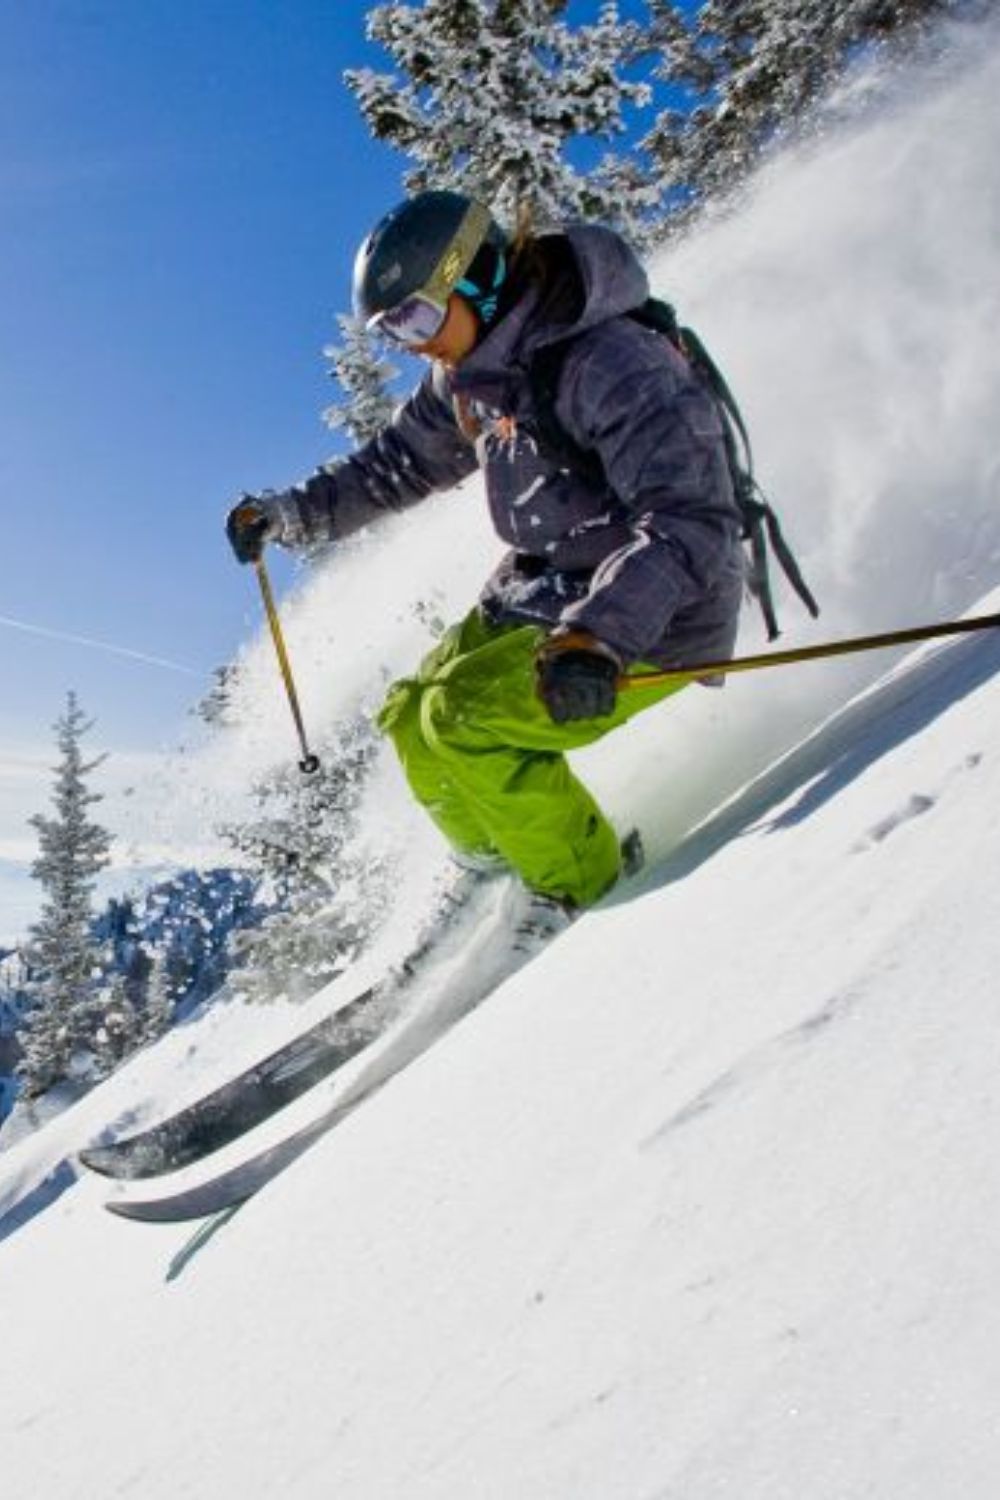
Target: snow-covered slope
705,1201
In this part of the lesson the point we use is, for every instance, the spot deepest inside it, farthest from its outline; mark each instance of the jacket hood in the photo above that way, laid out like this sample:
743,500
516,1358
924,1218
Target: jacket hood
612,279
588,274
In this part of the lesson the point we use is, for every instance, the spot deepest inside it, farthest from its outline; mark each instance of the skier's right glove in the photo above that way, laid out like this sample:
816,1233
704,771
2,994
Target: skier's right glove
576,675
256,520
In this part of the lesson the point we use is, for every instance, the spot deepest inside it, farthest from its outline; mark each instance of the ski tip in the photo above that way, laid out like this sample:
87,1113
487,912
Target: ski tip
102,1159
147,1212
121,1209
122,1161
179,1208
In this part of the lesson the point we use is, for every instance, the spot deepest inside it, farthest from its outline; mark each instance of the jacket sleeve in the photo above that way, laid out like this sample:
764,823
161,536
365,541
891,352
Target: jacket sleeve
422,450
629,396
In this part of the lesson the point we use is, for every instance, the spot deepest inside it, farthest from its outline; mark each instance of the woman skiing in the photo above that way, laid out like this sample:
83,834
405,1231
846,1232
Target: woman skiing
630,556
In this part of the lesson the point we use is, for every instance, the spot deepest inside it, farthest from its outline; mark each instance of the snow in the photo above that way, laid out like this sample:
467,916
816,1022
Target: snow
705,1201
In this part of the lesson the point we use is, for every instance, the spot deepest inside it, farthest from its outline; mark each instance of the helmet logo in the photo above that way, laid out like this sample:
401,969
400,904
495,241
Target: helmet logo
389,277
452,266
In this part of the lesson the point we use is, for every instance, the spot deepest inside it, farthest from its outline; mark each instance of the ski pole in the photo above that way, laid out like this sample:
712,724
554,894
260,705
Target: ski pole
309,762
810,653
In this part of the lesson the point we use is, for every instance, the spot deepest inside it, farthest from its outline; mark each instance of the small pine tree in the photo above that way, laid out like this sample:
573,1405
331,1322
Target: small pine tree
116,1026
494,91
62,952
158,1013
301,848
216,707
363,374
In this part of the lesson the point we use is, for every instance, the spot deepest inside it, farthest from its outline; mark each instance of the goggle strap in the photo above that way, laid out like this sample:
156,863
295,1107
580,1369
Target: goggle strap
485,301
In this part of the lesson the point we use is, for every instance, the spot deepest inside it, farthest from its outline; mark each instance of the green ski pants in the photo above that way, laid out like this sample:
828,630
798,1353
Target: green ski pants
483,757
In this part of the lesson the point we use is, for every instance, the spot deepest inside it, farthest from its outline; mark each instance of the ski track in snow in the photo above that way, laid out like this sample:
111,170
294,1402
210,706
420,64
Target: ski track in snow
865,733
760,1062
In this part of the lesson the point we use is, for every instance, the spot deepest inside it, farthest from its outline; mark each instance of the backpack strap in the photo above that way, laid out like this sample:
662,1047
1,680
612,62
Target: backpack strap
760,523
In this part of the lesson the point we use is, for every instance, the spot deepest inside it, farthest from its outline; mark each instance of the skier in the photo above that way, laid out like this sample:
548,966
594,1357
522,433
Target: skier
637,561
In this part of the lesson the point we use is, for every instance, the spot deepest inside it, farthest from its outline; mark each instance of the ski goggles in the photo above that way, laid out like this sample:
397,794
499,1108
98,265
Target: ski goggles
414,321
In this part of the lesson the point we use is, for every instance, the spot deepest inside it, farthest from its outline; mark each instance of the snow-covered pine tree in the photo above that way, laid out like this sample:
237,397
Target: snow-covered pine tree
756,70
62,952
302,848
134,1003
493,92
158,1012
216,707
117,1028
363,373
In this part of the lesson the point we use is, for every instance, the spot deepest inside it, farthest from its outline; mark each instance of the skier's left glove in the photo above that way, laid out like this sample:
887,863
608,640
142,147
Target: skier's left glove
577,676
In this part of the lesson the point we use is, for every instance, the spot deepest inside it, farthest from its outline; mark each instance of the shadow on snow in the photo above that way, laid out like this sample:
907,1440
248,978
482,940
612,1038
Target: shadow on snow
836,754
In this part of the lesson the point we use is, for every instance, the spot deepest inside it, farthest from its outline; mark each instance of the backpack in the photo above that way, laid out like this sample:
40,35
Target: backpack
760,525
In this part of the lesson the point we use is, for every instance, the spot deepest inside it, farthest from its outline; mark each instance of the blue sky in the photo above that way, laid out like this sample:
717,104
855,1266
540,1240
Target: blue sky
184,183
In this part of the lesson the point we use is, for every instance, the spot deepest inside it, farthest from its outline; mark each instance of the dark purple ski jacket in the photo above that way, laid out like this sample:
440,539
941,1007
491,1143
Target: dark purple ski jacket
649,558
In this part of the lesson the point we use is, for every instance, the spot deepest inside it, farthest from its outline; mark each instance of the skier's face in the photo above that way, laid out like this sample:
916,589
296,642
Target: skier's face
455,338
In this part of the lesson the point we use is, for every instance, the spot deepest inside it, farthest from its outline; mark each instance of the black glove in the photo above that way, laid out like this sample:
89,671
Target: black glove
251,523
577,676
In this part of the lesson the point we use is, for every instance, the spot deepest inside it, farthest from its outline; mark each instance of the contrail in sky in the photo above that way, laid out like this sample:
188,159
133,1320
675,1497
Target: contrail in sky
83,640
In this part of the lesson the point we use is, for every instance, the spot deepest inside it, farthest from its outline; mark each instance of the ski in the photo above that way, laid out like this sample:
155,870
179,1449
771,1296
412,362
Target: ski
247,1100
475,957
266,1088
259,1092
235,1185
231,1188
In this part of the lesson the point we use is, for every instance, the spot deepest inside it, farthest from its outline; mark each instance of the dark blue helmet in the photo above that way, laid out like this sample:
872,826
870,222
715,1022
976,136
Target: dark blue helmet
434,244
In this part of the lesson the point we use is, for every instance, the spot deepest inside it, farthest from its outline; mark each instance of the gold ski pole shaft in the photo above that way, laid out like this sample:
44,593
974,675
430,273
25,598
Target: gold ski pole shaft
309,761
810,653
